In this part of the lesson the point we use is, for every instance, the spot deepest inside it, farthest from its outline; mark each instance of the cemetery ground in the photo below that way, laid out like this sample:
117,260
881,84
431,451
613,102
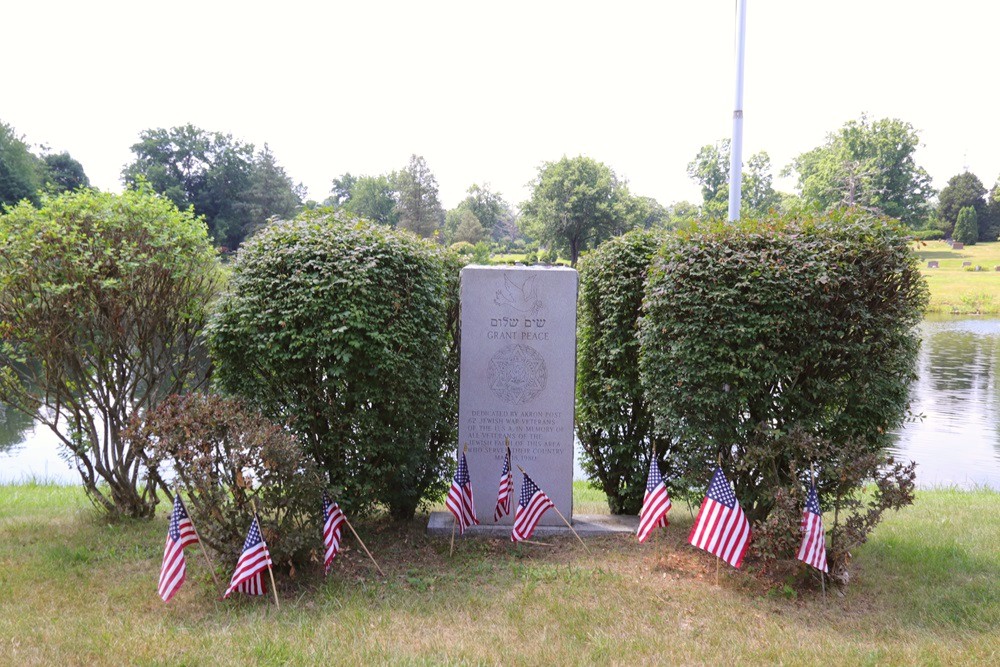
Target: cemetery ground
75,590
956,289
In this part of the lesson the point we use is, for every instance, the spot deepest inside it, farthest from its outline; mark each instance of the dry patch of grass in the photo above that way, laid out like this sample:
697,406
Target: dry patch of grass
78,591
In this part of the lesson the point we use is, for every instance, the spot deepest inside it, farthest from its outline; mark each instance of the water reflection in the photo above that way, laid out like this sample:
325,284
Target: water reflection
958,440
13,426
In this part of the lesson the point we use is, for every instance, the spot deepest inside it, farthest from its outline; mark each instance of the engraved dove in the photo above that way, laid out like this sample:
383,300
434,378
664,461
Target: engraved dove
522,298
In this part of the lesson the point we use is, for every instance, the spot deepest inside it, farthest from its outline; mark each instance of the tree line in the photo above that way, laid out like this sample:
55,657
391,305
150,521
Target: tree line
575,202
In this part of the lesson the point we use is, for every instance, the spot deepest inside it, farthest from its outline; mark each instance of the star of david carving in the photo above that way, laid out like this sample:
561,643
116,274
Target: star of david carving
517,374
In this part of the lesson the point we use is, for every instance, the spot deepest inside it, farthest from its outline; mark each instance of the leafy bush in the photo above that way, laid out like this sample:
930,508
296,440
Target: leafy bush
757,330
928,234
346,331
103,298
463,248
614,423
967,226
226,459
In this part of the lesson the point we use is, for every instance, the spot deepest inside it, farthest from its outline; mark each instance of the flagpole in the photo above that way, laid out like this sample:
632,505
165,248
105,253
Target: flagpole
211,567
736,146
361,542
274,586
822,578
563,518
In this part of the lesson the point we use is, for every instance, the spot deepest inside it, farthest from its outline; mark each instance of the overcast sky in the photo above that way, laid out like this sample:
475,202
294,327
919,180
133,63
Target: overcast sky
488,91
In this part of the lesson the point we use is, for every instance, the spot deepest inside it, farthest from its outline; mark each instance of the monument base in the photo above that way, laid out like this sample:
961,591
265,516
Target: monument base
586,525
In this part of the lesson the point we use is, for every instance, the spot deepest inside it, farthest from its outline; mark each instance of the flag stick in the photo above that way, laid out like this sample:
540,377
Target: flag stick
361,542
717,559
541,544
270,571
570,527
211,567
454,525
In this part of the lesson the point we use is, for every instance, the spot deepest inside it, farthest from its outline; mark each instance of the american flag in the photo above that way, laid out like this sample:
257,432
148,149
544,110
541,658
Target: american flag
505,491
655,504
530,508
180,534
333,522
813,549
459,501
721,528
249,575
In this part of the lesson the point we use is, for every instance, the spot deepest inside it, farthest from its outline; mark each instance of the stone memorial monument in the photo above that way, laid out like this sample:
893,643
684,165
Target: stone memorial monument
518,381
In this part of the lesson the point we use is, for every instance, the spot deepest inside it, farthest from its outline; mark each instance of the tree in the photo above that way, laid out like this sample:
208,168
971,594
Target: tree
967,226
868,164
417,203
63,173
467,226
491,209
271,193
373,198
991,214
710,169
341,190
20,171
102,302
217,175
962,190
575,204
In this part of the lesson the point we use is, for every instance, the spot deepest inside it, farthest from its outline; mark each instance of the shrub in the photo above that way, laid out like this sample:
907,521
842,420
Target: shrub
463,248
227,459
967,226
614,423
766,328
928,234
345,331
102,302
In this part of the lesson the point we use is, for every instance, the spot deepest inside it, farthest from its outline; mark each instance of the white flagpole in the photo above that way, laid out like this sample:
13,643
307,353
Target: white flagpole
736,146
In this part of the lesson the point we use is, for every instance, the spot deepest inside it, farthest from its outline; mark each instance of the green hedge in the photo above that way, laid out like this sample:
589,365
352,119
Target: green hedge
613,420
346,331
780,343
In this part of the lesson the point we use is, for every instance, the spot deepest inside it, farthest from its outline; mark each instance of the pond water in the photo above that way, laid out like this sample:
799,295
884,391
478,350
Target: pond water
956,442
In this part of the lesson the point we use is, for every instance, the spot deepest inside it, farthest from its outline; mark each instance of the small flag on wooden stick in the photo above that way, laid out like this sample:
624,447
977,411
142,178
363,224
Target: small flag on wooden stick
459,501
813,549
333,523
506,489
255,558
532,504
721,528
655,504
180,534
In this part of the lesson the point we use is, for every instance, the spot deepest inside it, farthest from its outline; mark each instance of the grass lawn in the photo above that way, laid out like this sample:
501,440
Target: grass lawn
76,591
953,288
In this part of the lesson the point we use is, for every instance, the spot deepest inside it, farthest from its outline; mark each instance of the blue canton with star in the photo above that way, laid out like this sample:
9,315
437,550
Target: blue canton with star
175,520
462,474
253,537
655,478
812,501
528,489
720,491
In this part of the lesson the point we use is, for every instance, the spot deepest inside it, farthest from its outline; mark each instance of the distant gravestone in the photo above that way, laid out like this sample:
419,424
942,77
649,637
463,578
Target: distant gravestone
933,264
518,380
966,263
957,246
